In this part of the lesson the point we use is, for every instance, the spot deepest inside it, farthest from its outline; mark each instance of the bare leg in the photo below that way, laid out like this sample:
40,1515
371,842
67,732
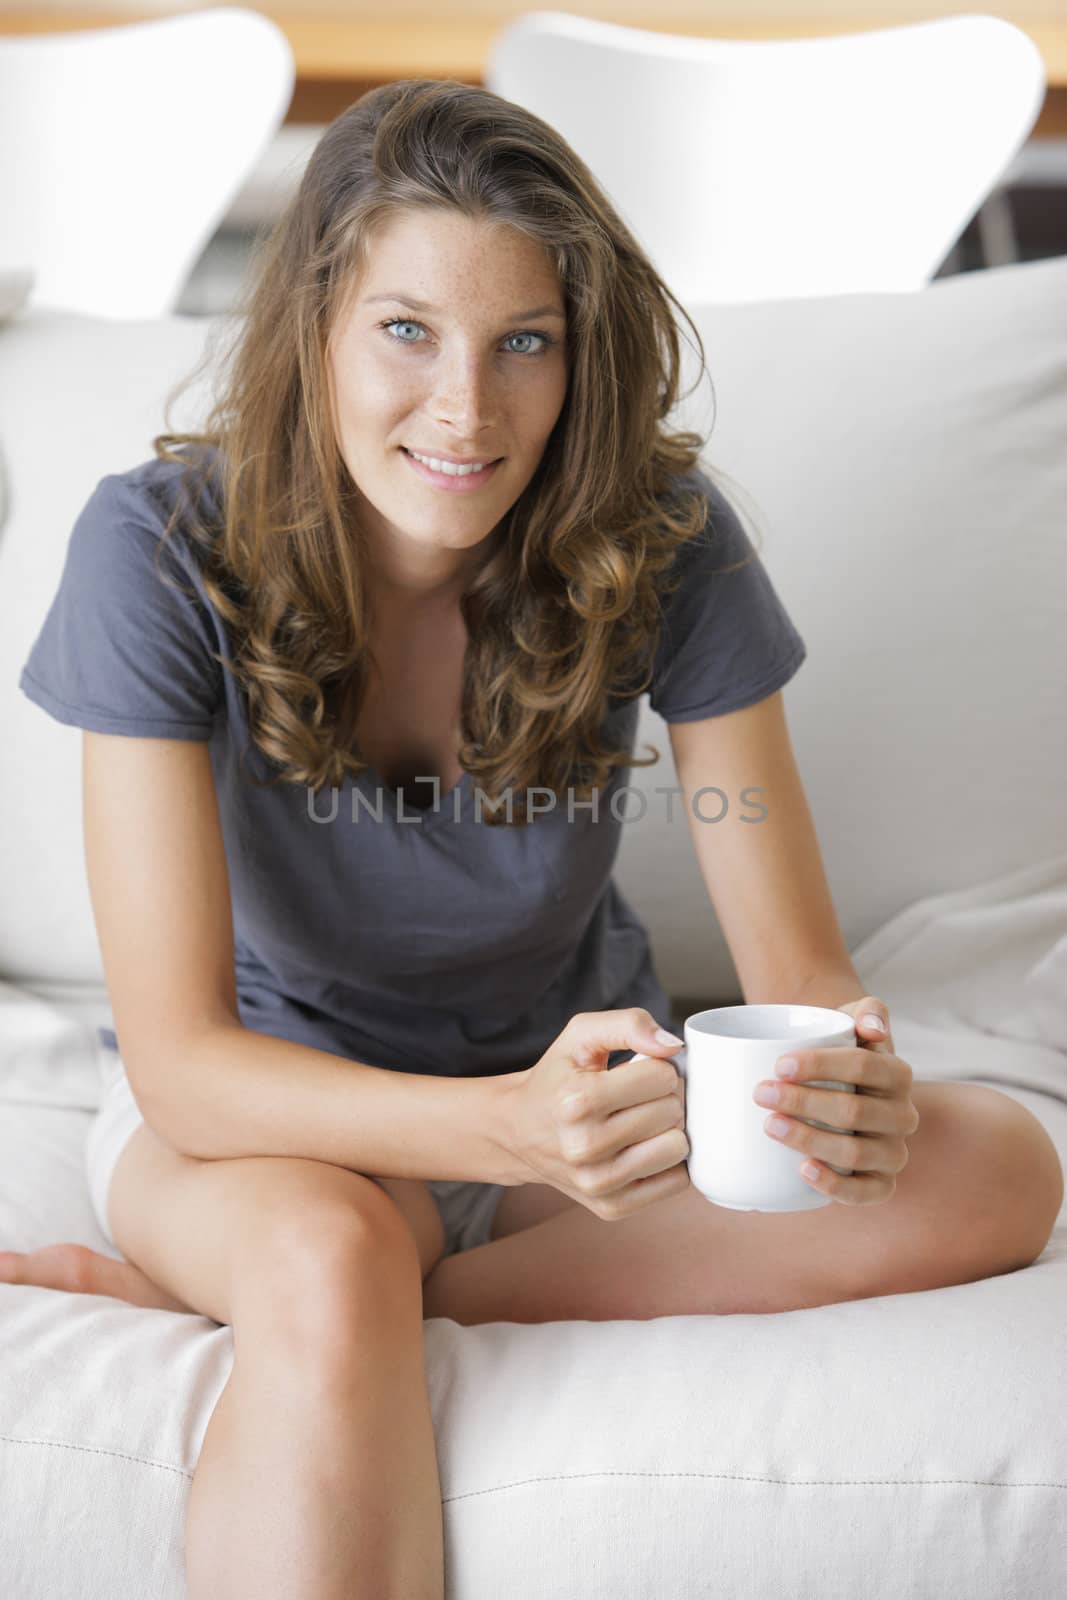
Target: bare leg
317,1475
317,1478
979,1197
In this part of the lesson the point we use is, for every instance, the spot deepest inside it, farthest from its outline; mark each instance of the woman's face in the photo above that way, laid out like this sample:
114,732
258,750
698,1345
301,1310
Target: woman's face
453,346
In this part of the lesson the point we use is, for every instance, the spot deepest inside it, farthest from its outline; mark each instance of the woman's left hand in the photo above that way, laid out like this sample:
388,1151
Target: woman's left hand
878,1119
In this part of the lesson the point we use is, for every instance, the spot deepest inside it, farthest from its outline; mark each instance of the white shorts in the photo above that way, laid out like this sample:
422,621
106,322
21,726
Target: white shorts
467,1207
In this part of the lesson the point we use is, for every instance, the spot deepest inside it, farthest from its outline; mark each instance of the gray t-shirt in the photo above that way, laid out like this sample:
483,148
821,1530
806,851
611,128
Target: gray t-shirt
427,941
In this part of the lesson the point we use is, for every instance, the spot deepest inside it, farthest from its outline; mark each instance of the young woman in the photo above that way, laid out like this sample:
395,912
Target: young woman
358,667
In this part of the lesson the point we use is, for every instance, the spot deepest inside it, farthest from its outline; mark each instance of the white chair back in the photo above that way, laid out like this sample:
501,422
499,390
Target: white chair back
121,149
752,170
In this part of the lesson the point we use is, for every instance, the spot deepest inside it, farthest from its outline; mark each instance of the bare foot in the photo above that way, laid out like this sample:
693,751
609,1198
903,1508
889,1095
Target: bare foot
83,1271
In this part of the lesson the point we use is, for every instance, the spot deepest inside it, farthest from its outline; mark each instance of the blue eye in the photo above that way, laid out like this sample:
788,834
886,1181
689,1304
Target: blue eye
405,322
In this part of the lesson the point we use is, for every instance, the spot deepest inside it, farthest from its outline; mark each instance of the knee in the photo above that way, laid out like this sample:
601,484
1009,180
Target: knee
1038,1181
327,1251
347,1229
1014,1180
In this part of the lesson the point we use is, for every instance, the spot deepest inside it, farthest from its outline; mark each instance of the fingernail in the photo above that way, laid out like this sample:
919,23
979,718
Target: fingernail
663,1037
787,1067
871,1021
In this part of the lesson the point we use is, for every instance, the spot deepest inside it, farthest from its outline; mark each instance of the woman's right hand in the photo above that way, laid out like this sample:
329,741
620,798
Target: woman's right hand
614,1141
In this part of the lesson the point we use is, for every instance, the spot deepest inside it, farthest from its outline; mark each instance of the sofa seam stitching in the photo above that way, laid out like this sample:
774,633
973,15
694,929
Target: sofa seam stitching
742,1477
95,1450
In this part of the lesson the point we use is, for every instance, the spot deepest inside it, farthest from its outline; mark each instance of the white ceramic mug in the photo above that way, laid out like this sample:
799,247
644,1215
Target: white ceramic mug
733,1161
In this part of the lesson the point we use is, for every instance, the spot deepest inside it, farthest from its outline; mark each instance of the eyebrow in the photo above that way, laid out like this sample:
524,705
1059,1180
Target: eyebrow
424,305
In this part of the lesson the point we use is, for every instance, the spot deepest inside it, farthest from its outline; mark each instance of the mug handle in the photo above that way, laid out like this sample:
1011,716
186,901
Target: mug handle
678,1059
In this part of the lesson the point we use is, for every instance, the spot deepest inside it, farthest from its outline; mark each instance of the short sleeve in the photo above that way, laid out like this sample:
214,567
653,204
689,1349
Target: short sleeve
121,649
726,640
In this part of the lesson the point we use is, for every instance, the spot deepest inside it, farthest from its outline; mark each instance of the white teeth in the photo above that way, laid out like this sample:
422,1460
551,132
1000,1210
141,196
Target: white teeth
451,469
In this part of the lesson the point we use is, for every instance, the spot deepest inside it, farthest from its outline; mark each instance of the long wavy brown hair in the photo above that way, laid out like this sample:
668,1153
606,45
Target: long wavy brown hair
565,614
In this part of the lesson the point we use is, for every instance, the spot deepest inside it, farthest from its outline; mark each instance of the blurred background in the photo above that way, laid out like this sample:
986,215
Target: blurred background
340,48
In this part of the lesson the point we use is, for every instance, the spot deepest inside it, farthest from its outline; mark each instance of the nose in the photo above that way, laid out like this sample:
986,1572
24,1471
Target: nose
464,398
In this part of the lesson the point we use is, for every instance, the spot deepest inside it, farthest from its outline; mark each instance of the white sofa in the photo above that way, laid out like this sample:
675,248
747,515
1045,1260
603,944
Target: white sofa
905,461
